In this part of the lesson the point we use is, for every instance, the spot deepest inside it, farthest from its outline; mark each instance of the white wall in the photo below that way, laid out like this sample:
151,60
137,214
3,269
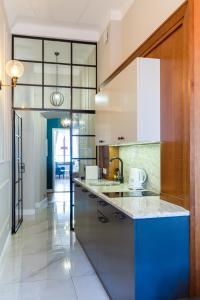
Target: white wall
5,134
125,36
34,157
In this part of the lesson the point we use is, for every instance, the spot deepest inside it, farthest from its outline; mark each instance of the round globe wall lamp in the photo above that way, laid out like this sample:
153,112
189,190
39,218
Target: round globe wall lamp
14,70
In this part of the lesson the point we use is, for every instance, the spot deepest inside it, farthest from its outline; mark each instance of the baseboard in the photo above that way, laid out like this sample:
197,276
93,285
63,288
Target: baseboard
29,212
42,203
5,247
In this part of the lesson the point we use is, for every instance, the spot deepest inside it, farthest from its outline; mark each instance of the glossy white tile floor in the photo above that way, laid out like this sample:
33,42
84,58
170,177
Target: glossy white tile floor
62,185
45,261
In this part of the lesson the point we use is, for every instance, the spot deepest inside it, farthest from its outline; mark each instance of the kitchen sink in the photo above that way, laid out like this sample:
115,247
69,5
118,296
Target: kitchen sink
136,193
105,183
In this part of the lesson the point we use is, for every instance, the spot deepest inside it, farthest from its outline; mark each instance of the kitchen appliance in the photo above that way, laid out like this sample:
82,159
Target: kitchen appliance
138,193
137,178
91,172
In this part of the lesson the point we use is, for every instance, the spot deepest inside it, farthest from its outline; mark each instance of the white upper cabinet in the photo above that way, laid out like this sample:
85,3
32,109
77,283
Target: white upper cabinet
128,107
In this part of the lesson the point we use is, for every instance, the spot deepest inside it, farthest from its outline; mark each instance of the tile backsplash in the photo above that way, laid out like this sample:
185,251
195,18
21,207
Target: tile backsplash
146,157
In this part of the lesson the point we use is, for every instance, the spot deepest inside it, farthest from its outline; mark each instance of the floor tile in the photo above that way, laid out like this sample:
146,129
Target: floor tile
39,290
89,287
44,260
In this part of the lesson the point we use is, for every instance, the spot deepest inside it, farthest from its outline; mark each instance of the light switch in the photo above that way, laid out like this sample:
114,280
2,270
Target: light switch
104,171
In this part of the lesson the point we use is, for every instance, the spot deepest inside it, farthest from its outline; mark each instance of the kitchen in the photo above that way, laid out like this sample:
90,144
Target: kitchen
120,218
122,78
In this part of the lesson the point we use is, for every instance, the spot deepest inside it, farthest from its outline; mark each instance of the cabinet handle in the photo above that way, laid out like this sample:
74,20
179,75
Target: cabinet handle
120,138
78,185
103,203
119,216
93,196
84,191
103,220
101,141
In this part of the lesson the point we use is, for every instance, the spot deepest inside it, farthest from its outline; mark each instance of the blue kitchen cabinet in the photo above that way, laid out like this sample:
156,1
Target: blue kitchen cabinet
139,259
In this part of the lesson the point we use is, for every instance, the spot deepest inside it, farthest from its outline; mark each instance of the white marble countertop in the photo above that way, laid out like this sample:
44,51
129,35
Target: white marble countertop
135,207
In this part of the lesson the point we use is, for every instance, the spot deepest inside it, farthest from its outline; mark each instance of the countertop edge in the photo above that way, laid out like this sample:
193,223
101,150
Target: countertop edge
182,213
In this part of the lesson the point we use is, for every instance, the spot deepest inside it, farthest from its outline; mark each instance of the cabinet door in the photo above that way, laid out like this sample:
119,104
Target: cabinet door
103,128
86,220
115,251
81,211
90,246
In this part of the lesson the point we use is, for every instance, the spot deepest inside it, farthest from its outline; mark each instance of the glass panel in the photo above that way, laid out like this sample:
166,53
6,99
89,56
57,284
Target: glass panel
32,73
64,77
20,190
84,147
16,170
20,127
16,192
16,148
17,213
84,99
67,98
79,167
16,125
20,148
84,77
20,210
64,49
83,124
84,54
28,49
28,97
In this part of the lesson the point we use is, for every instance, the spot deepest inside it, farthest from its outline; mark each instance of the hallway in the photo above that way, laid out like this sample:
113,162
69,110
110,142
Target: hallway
45,261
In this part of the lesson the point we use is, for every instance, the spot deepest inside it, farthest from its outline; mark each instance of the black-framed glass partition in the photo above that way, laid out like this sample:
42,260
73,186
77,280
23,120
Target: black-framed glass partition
61,75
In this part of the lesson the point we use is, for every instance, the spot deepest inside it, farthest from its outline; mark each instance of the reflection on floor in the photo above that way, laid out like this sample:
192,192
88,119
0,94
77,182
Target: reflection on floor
62,185
45,261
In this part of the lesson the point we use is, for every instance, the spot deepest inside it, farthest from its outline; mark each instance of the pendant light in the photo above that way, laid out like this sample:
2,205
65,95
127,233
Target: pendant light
57,98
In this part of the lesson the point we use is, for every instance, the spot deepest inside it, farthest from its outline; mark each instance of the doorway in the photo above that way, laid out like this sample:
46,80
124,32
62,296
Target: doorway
61,160
74,76
18,170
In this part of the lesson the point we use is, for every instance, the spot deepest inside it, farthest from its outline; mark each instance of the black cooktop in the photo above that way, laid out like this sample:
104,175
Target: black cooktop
138,193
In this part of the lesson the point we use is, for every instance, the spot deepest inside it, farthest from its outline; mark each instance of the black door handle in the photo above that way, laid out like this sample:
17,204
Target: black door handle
84,191
93,196
78,185
119,216
103,203
22,167
103,220
120,138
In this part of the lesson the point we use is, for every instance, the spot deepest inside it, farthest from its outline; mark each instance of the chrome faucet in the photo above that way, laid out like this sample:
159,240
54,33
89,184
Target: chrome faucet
121,177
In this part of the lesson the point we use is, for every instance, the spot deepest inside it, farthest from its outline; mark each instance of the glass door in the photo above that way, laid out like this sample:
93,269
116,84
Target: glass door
18,170
83,149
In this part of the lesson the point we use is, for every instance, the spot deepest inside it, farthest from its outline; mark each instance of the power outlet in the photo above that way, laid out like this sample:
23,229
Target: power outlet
104,171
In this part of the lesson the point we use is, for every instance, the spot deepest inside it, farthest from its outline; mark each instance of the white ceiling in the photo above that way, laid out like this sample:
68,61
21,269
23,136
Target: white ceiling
69,17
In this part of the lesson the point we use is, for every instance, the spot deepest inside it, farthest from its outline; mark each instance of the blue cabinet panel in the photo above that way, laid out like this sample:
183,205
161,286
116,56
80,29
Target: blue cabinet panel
161,259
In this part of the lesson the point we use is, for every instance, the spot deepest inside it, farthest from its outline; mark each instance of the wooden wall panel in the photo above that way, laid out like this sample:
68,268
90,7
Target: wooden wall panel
105,153
194,95
174,121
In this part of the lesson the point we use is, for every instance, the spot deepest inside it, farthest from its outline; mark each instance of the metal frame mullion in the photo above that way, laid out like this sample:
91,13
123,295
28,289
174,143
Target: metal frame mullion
71,146
43,74
71,111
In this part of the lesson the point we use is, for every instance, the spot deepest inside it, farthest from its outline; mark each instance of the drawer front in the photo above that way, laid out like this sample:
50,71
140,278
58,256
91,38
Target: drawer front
115,252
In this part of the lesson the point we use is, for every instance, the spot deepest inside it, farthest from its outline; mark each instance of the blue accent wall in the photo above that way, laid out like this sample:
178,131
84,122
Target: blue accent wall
51,124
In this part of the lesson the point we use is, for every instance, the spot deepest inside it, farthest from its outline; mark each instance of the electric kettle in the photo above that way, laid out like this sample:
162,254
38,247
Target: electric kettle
137,178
